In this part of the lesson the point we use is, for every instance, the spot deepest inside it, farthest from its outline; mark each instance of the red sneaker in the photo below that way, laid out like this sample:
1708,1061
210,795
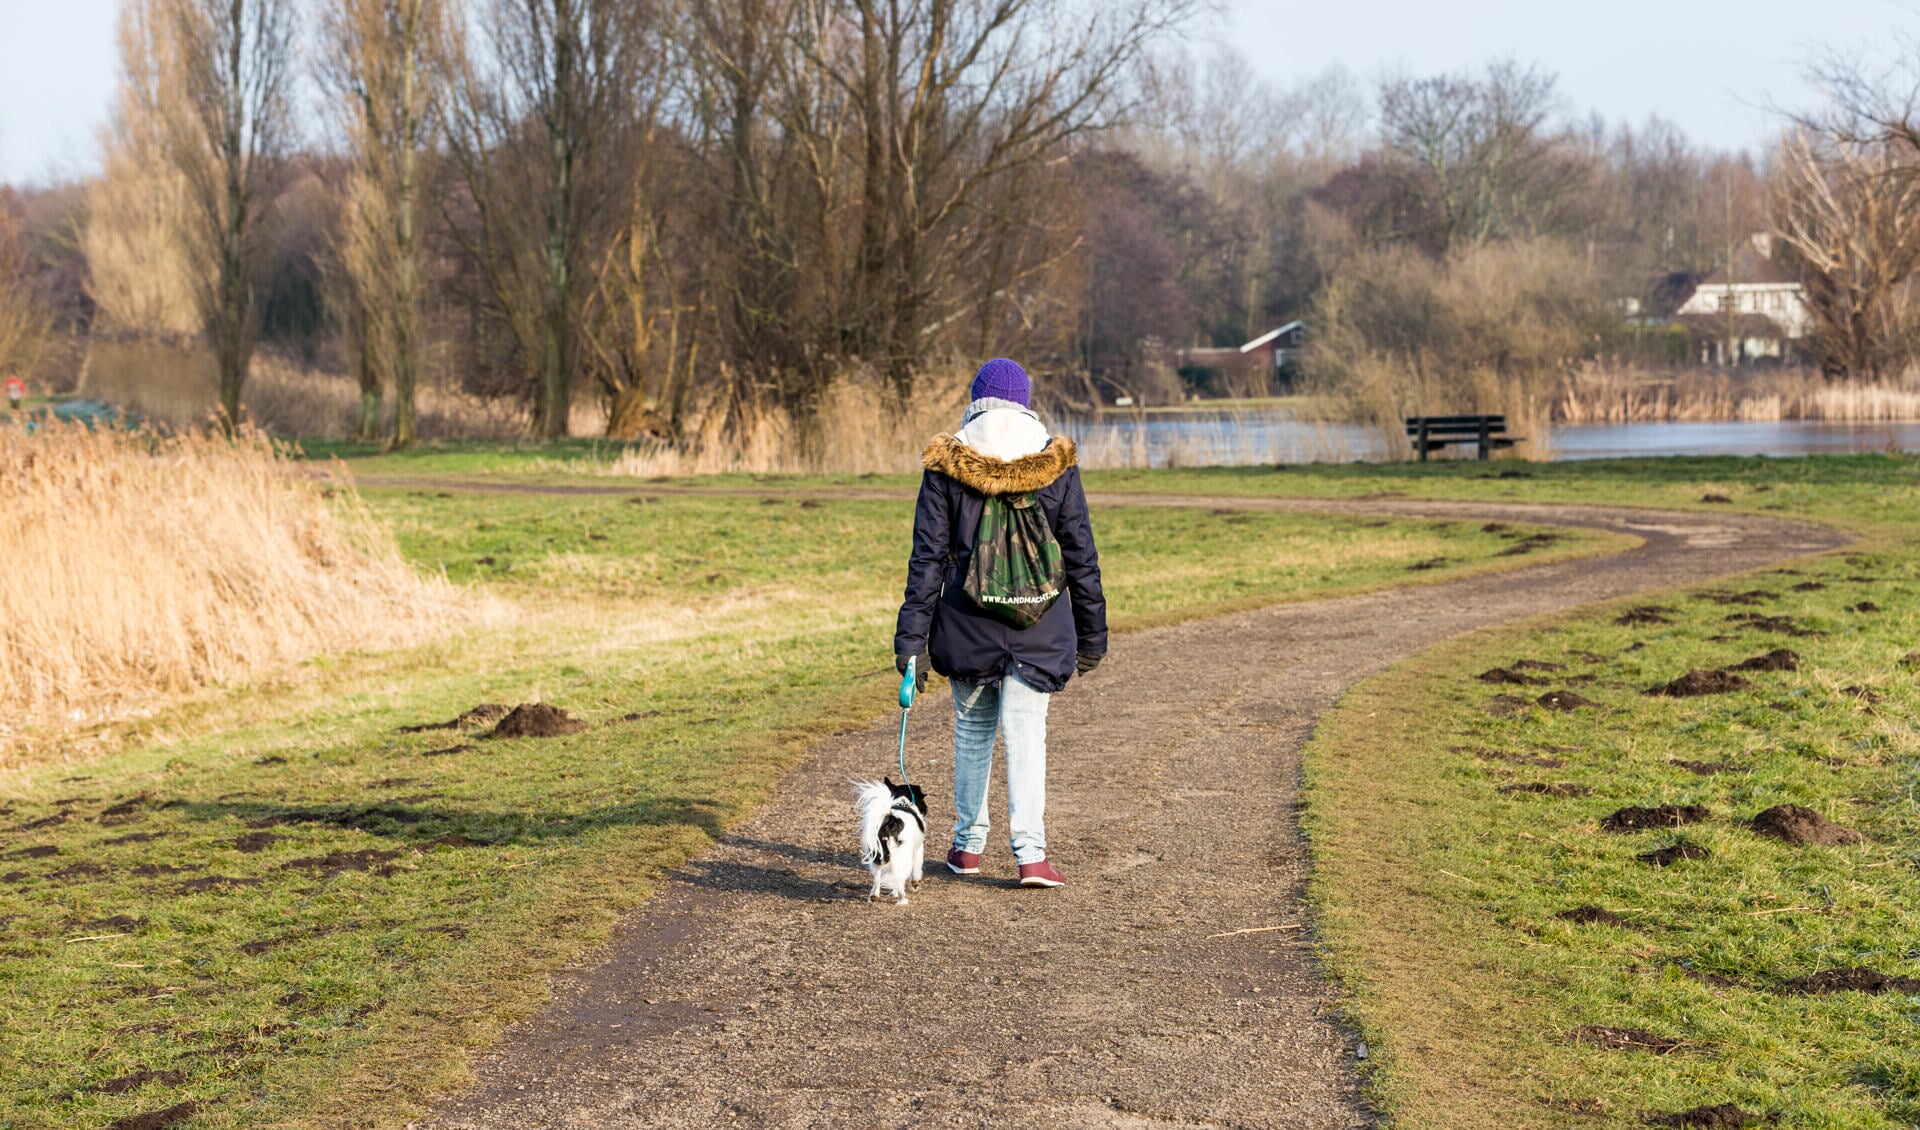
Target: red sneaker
963,862
1041,874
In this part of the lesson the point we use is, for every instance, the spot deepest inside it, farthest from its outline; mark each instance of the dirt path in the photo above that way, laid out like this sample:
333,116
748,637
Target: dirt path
758,989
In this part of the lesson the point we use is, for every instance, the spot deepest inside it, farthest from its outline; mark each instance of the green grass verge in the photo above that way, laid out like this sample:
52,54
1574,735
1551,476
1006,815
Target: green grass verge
274,904
1440,882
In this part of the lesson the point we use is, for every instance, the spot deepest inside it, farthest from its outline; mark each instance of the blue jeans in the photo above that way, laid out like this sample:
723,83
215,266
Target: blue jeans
1018,712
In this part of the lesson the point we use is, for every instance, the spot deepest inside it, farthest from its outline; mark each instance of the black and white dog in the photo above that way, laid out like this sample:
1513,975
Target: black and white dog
893,835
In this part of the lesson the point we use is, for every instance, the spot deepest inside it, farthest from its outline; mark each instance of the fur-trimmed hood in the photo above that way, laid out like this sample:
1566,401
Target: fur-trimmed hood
952,457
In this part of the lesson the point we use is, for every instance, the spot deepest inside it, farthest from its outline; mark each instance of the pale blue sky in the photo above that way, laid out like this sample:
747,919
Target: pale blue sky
1707,65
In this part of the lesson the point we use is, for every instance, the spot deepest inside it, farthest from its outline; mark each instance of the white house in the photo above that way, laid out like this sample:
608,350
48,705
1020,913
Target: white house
1753,303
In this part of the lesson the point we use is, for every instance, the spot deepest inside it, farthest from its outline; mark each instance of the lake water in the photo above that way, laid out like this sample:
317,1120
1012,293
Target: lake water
1238,438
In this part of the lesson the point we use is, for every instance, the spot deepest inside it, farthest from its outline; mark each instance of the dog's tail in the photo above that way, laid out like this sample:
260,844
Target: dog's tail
874,800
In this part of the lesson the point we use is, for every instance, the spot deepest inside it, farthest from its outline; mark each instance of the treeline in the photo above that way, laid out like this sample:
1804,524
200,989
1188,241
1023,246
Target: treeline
676,208
691,213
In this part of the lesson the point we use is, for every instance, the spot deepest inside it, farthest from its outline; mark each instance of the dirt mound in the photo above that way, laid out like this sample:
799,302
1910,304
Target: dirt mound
1707,768
125,812
38,851
156,1119
256,841
485,714
1507,676
537,720
1528,544
1796,824
1537,665
1563,701
1633,818
1672,854
1429,563
1779,659
1546,788
1502,705
1856,980
1750,597
1863,606
1810,586
1719,1116
452,749
78,871
140,1079
335,862
1625,1039
1699,682
1594,916
1642,615
1781,624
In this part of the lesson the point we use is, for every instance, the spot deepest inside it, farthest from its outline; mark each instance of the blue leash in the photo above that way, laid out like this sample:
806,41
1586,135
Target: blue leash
906,705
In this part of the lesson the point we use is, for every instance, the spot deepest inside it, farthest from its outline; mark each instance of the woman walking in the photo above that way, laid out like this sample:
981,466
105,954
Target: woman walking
1002,465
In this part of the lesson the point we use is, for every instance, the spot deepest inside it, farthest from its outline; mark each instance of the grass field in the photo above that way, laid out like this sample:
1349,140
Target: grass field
1488,929
1473,993
274,904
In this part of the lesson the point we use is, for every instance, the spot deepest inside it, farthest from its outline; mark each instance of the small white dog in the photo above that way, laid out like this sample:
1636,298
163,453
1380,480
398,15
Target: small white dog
893,835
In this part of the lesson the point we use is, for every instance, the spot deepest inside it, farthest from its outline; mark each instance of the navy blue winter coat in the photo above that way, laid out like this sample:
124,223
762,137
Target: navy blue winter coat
938,617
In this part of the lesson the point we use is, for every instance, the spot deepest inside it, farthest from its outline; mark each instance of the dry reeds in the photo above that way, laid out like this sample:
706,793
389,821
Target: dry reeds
858,427
139,565
1600,394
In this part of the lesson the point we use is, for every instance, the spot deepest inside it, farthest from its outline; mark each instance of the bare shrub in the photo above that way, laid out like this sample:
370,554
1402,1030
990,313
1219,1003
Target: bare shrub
140,565
1485,329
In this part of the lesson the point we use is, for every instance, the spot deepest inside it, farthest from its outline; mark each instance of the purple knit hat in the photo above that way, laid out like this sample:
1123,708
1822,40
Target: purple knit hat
1003,380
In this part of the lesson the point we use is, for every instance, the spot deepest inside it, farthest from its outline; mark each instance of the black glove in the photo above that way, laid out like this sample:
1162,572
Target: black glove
1084,664
919,669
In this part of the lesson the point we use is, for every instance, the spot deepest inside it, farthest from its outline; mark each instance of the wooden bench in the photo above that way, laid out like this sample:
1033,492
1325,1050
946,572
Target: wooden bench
1486,432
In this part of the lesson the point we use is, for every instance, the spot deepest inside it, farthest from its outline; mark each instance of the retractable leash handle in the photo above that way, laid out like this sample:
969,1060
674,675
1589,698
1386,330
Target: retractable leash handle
907,689
908,682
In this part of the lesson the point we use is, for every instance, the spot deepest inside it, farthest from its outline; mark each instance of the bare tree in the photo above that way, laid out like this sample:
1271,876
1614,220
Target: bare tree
383,67
226,137
1850,209
143,273
26,322
538,120
1478,153
881,159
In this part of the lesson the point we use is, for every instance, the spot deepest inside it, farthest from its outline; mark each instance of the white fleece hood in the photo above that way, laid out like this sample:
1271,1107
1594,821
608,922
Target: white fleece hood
1001,429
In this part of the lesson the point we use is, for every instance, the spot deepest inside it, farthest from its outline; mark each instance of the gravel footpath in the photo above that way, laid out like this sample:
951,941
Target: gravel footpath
758,989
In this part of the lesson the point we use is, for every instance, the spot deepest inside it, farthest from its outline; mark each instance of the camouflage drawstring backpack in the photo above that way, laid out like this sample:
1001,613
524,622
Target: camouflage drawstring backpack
1017,570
